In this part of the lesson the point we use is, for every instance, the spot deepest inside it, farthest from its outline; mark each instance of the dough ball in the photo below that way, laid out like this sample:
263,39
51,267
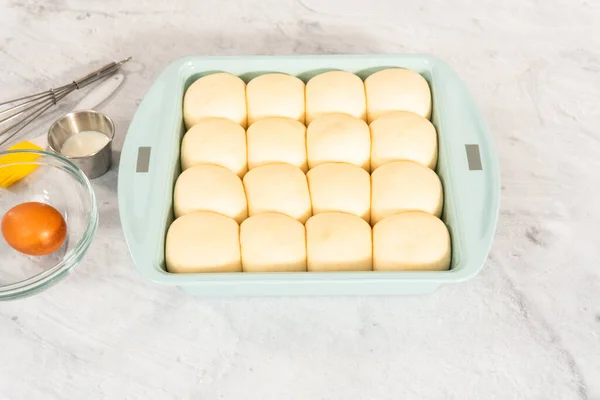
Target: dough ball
335,92
275,95
340,187
403,135
404,186
277,140
210,188
411,241
203,242
278,188
338,242
273,242
216,141
339,138
397,89
215,95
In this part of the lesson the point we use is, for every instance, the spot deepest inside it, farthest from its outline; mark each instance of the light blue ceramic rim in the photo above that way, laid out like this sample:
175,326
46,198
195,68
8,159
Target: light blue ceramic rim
144,258
52,275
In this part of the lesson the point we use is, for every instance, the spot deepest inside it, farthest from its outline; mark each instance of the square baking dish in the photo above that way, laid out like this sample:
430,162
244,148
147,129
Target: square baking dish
467,165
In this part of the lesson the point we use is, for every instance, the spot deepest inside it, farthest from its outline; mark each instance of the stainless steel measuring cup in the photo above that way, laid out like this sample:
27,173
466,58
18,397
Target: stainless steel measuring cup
94,164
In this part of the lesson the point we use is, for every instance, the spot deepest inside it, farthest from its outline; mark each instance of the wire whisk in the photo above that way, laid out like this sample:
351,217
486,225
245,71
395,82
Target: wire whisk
16,114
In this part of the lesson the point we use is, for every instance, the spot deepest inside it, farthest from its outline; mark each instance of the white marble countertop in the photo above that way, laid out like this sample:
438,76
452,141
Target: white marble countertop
528,327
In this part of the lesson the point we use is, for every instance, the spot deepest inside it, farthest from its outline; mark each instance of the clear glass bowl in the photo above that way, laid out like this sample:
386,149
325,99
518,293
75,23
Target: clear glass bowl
60,183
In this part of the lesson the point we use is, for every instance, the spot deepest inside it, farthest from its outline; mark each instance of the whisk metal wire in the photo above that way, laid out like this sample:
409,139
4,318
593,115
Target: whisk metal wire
26,109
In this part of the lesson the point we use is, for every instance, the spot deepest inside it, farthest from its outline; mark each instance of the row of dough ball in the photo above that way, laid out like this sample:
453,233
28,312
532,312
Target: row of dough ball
398,135
273,242
281,95
283,188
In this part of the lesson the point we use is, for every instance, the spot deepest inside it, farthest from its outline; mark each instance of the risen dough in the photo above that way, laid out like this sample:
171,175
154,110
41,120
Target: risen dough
215,95
403,135
210,188
275,95
397,89
278,188
338,242
203,242
404,186
273,242
338,138
277,140
340,187
216,141
335,92
411,241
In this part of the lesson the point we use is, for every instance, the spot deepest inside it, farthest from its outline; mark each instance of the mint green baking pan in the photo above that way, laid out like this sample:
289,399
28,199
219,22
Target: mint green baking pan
468,167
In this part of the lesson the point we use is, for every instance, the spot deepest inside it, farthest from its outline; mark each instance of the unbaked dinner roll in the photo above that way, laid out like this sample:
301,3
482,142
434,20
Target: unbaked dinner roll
275,95
277,140
403,135
278,188
210,188
273,242
216,141
335,92
404,186
411,241
203,242
338,138
215,95
338,242
397,89
340,187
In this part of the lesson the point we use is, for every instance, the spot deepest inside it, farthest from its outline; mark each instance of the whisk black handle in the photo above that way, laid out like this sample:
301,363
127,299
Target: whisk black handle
108,69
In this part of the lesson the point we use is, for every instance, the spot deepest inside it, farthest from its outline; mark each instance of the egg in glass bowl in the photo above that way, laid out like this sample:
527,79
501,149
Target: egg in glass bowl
48,220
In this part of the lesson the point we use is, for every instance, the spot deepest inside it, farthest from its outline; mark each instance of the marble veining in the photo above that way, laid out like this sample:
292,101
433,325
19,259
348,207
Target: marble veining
528,327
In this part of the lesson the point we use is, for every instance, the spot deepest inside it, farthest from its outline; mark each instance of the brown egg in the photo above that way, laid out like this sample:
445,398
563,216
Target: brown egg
33,228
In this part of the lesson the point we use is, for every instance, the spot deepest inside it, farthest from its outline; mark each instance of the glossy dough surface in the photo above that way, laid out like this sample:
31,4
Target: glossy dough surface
338,242
210,188
277,140
203,242
309,185
216,141
402,135
275,95
272,242
278,188
339,138
397,89
340,187
404,186
215,95
411,241
335,92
